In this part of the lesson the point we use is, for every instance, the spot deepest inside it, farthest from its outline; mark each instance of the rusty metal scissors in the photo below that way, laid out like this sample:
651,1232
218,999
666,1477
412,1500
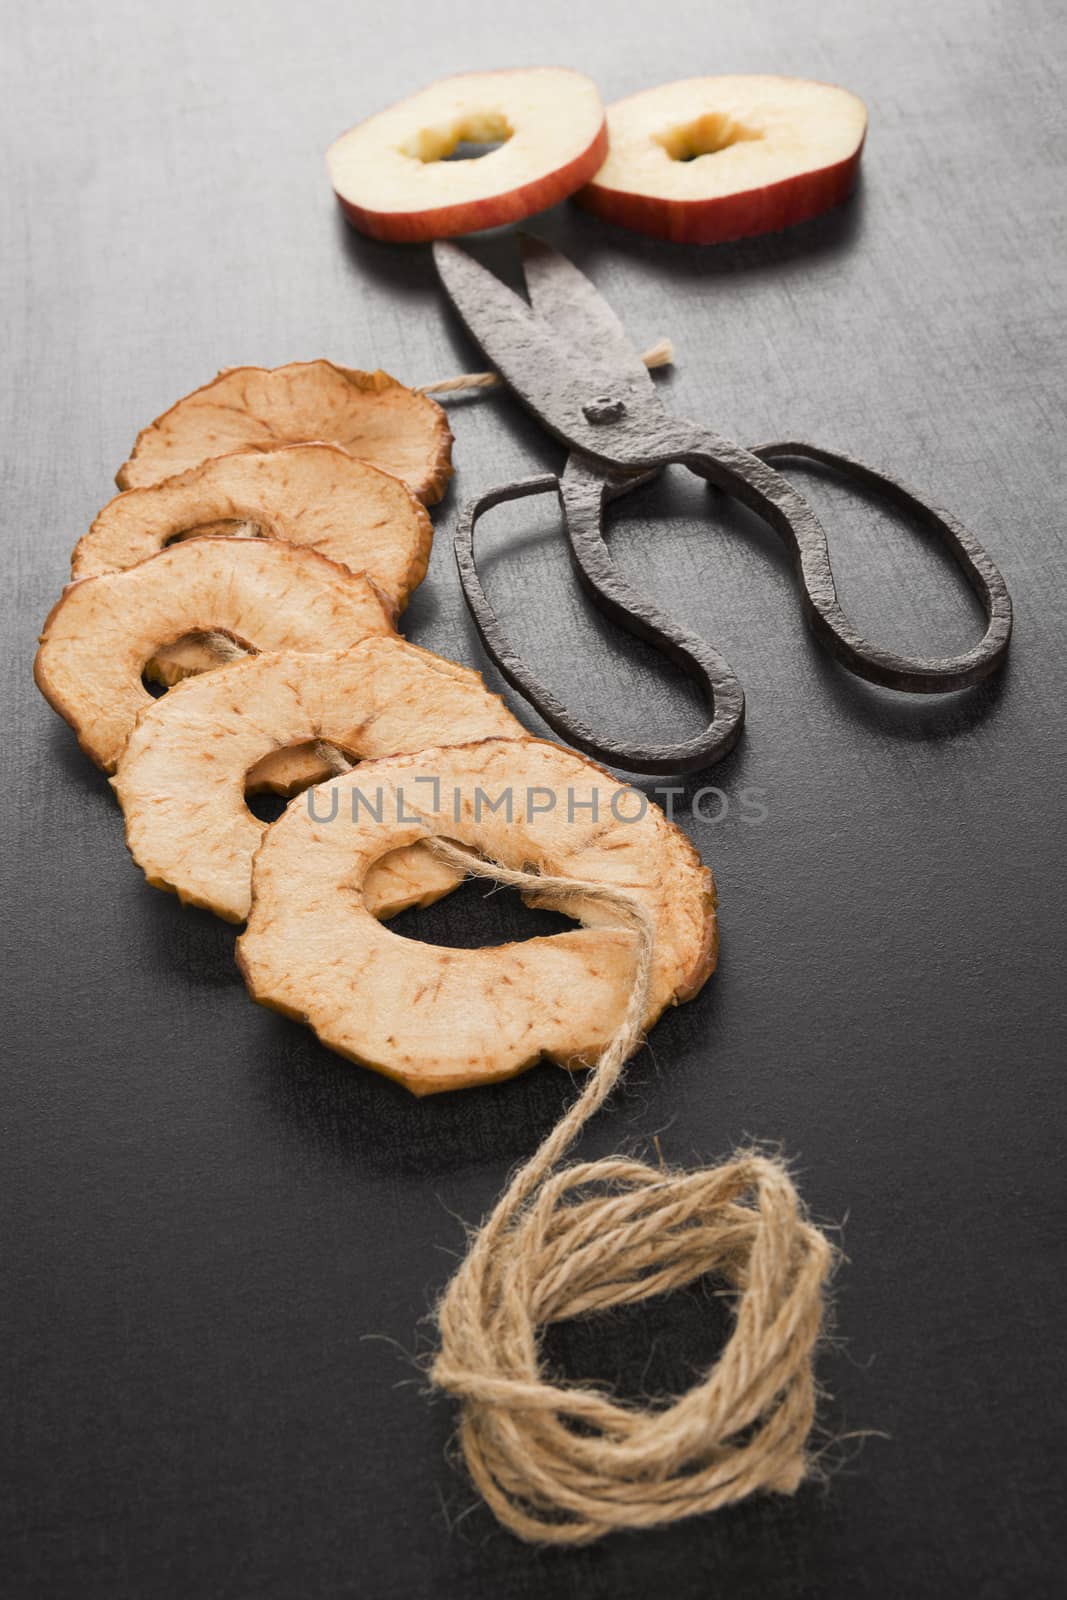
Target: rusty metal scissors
566,356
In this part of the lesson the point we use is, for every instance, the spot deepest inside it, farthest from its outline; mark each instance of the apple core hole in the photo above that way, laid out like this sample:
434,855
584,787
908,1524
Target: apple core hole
266,783
203,650
224,527
266,806
469,138
477,916
705,136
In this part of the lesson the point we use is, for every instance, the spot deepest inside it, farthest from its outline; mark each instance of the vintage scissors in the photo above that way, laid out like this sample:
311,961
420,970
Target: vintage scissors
567,357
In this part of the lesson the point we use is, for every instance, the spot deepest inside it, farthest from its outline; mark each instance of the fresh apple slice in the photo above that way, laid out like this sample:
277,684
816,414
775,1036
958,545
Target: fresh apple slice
394,181
709,159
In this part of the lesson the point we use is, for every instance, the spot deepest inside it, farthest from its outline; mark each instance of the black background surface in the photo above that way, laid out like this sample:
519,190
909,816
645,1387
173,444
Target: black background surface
207,1215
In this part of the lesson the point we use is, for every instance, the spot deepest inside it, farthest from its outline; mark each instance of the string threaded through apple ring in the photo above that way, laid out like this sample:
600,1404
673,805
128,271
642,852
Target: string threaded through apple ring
564,1464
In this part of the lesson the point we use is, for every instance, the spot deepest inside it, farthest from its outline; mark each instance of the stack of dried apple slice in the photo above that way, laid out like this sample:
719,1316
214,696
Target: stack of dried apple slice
270,528
278,509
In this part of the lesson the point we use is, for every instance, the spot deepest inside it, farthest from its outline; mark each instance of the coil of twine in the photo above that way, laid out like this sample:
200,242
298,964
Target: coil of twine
566,1464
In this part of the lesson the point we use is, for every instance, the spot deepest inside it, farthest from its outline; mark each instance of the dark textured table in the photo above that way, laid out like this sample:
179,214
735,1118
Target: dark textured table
219,1240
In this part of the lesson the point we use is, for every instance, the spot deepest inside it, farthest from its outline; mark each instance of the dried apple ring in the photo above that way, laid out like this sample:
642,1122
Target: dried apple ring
437,1018
371,415
315,495
181,780
286,772
263,594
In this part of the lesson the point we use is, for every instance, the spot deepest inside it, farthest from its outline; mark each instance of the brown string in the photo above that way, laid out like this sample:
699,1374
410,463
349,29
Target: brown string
222,647
332,757
660,355
566,1464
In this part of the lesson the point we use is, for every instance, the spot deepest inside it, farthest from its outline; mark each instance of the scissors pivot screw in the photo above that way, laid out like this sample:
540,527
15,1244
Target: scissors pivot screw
604,409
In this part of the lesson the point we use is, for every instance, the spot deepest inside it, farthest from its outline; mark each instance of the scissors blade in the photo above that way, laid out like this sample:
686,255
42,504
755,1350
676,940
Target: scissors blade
566,299
547,375
518,342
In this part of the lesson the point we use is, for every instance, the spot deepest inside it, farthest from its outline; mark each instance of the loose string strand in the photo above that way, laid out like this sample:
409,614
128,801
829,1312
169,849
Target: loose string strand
660,355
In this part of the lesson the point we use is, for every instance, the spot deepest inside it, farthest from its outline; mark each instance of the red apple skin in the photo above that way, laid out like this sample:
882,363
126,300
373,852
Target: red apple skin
729,216
442,222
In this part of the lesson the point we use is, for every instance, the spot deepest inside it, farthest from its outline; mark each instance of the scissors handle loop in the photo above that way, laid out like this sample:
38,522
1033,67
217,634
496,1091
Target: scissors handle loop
582,492
749,475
